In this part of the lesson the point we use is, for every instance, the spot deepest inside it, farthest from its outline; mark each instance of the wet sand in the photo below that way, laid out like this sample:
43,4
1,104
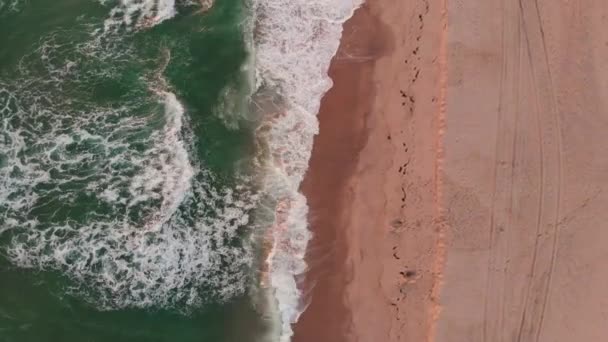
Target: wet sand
371,183
335,155
458,184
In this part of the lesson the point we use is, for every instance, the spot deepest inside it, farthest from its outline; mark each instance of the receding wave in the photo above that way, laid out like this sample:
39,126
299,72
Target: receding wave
294,42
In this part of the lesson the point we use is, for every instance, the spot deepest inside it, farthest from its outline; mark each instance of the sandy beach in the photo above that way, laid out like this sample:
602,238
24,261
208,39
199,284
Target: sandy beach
333,163
457,185
372,184
525,172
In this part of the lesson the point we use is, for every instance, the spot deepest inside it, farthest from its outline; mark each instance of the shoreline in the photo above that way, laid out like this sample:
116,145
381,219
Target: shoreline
499,195
333,159
372,182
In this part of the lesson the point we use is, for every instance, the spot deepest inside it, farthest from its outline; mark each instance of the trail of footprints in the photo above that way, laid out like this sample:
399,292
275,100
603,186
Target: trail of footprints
407,274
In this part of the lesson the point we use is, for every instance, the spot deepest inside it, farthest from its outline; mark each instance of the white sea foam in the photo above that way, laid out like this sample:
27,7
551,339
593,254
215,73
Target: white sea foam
295,41
130,14
156,246
134,256
159,231
165,10
10,5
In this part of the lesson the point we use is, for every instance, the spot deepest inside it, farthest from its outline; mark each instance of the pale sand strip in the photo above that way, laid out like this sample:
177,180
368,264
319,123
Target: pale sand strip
526,172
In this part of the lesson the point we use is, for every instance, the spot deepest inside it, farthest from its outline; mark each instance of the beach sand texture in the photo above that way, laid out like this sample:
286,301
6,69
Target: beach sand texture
457,186
371,183
526,172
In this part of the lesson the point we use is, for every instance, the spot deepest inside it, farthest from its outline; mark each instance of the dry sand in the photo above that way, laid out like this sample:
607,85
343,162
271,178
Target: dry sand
526,171
457,184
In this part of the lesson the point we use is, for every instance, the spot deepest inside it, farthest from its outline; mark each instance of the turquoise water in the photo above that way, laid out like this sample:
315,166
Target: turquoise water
126,172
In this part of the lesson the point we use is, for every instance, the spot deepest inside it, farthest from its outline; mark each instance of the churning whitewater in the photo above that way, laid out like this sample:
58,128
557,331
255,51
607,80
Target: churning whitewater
159,231
295,41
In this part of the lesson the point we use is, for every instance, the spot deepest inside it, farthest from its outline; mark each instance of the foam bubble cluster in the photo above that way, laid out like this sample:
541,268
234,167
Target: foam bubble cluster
131,14
9,6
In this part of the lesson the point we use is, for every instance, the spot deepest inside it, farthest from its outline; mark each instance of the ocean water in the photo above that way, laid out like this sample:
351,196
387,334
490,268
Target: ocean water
150,157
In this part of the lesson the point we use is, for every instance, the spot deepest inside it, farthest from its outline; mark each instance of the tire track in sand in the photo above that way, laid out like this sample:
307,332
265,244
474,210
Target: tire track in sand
545,250
557,219
504,174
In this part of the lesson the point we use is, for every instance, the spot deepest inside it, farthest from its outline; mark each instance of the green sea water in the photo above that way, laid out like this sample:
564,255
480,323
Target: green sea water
126,183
